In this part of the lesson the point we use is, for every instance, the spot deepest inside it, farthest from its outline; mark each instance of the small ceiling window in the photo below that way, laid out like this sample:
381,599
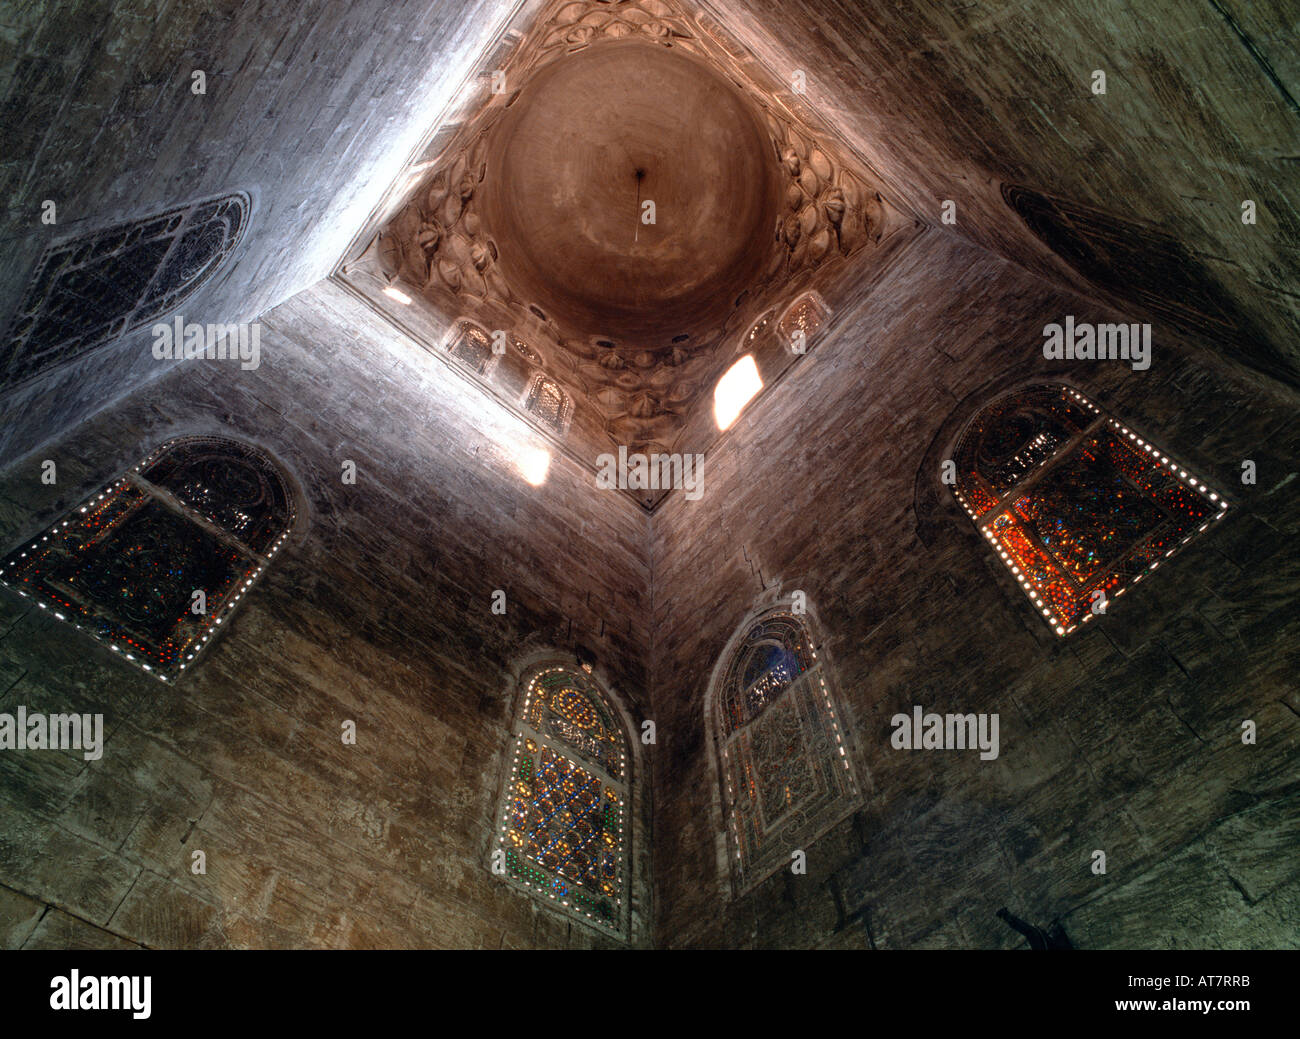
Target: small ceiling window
472,346
734,390
549,404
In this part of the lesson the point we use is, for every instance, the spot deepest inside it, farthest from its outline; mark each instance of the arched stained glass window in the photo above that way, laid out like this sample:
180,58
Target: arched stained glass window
786,771
1076,504
155,563
99,285
563,826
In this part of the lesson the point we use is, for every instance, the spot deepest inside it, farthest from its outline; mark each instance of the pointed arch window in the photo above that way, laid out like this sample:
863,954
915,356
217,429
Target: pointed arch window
563,824
1077,505
786,772
158,561
97,286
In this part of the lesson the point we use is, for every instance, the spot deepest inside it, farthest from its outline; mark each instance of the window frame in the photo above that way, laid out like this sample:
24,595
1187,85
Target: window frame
531,399
745,878
20,363
1100,420
519,733
133,480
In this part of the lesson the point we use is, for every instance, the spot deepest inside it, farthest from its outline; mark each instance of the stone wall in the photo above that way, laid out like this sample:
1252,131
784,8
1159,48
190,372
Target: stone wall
376,610
1124,736
949,101
311,108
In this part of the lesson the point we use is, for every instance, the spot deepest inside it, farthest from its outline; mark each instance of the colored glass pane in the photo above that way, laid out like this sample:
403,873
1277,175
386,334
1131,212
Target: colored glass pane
563,826
1077,505
785,770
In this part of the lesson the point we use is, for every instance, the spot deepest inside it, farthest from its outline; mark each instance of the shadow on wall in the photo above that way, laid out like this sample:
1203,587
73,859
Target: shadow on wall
1150,269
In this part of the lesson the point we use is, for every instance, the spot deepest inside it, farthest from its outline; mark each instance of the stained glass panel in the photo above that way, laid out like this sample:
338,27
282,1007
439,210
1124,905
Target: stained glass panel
129,566
786,771
93,288
563,826
1074,502
774,653
805,315
230,484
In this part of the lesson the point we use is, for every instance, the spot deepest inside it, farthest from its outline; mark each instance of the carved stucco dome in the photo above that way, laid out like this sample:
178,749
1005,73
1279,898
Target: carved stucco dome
528,221
591,137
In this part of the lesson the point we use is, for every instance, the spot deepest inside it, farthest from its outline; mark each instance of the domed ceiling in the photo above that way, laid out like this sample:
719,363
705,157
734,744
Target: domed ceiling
632,199
588,141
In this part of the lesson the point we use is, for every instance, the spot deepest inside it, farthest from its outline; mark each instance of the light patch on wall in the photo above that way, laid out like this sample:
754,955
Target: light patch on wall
734,390
397,294
532,462
511,443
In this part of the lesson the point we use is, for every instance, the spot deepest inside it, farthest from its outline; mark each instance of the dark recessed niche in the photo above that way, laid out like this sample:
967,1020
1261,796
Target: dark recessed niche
608,344
1147,267
1127,259
538,311
681,338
